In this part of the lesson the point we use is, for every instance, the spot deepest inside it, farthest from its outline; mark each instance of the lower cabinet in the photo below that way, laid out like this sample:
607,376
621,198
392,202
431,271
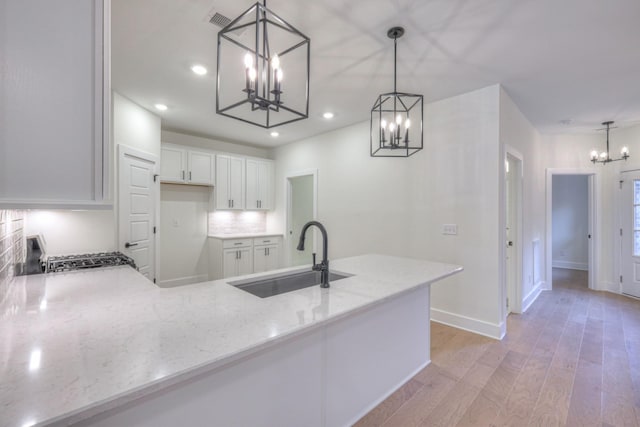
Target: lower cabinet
237,257
266,253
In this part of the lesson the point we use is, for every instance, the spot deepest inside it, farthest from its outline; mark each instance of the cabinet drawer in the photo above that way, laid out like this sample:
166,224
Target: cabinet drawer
261,241
236,243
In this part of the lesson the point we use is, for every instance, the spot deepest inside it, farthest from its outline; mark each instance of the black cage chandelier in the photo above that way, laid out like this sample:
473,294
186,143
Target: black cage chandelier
396,117
604,157
263,69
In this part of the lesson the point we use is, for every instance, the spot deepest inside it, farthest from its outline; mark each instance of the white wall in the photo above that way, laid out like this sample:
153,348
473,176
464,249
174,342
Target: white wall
76,232
517,133
397,206
570,219
183,224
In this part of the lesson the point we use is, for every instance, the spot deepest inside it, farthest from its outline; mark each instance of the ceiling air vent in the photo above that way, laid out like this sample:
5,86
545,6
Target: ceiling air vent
219,20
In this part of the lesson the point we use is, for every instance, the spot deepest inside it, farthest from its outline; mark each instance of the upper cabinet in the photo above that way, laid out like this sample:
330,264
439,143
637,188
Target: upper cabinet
180,165
54,104
230,178
259,184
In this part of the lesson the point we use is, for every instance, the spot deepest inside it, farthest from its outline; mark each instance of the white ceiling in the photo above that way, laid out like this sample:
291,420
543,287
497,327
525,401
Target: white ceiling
559,60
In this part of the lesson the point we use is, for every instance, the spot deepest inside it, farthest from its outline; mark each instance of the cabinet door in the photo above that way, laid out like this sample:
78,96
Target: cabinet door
245,261
200,168
259,259
252,185
264,179
273,260
54,104
230,263
236,182
223,201
172,164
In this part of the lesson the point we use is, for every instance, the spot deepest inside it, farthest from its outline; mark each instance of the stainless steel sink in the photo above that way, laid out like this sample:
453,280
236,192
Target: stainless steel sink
276,285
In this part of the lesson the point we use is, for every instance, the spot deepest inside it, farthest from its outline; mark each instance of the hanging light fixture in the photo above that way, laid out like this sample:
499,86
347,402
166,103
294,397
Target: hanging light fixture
263,69
604,157
396,117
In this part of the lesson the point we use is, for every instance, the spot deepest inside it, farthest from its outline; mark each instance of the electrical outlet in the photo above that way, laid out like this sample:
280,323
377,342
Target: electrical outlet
450,229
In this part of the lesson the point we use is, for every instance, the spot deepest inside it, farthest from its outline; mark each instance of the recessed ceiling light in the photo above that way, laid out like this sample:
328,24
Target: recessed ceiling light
275,134
199,70
161,107
328,115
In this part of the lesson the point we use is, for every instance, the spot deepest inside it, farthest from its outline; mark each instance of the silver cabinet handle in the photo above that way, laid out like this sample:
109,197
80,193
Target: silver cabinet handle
183,175
229,203
232,202
128,245
189,175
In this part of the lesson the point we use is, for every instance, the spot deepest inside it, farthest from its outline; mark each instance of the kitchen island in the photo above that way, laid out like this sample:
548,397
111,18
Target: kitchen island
107,347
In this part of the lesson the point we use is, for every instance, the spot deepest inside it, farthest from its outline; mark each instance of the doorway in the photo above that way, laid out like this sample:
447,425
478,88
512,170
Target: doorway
137,202
630,233
301,191
512,265
571,218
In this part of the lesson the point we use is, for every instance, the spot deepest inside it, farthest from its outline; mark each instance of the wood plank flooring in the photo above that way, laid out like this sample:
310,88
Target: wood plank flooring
572,359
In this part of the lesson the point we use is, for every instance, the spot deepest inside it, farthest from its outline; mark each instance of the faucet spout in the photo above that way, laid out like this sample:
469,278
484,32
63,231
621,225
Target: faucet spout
323,267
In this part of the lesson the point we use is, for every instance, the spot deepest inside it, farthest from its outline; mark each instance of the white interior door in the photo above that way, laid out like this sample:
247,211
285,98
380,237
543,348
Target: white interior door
137,209
630,223
301,210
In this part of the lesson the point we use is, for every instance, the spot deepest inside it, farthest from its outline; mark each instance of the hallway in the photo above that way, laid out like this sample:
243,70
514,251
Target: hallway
572,359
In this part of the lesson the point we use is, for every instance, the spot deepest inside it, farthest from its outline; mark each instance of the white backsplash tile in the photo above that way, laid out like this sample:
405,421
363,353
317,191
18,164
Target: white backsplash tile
230,222
12,250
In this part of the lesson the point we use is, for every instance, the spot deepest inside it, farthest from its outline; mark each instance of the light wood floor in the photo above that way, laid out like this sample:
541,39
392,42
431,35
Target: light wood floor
572,359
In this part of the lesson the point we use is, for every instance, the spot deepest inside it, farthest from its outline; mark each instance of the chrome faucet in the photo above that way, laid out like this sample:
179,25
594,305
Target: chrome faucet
323,267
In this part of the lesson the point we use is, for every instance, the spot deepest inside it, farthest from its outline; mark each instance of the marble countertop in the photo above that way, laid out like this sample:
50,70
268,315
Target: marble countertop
76,344
243,235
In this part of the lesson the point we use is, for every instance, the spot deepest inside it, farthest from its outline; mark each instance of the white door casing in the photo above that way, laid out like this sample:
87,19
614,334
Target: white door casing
630,230
137,208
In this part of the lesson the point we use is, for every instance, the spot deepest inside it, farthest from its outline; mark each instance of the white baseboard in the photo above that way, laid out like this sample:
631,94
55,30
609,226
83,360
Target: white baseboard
571,265
532,296
491,330
181,281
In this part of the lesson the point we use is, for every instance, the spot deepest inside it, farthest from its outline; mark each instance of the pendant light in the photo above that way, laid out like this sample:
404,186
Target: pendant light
604,157
263,69
396,117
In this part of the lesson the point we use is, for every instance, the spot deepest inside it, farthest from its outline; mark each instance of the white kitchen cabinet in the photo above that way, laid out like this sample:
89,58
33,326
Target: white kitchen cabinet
237,257
266,253
230,182
259,184
237,262
54,104
180,165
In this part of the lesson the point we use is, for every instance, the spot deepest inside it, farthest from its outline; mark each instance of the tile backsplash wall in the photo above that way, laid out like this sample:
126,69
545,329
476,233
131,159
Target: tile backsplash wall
12,248
229,222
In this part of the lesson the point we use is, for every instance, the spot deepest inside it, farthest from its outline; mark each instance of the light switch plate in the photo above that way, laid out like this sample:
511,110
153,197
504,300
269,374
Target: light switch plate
450,229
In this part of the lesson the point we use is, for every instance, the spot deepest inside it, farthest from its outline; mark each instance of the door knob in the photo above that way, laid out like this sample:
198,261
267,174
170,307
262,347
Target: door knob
509,243
128,245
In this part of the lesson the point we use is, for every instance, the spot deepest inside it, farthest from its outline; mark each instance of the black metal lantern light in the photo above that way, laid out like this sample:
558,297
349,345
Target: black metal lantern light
263,69
396,117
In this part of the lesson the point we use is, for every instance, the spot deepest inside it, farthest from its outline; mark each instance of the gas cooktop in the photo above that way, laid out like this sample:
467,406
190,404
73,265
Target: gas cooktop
84,261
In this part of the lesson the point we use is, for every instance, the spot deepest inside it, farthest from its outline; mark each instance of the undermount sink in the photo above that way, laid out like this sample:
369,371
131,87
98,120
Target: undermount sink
276,285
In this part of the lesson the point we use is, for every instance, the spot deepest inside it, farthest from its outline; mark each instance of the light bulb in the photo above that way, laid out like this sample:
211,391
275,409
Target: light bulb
392,127
398,119
407,124
625,151
383,124
594,155
275,62
248,60
603,155
253,74
279,75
